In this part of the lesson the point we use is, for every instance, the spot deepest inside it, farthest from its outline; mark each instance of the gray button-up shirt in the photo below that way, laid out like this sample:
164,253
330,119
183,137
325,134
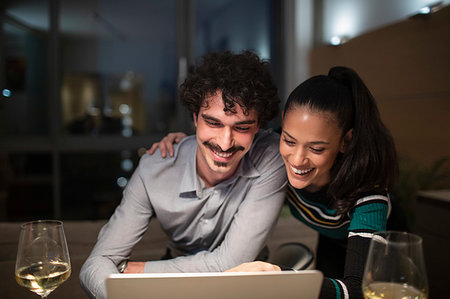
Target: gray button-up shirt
214,228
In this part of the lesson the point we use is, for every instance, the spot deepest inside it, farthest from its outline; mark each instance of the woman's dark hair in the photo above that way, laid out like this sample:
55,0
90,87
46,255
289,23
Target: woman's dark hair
244,79
370,159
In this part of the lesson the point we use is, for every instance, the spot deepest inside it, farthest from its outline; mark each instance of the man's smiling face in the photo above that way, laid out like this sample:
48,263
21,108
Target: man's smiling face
223,138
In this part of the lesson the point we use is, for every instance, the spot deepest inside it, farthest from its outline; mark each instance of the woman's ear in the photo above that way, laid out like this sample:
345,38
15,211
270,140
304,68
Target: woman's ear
346,140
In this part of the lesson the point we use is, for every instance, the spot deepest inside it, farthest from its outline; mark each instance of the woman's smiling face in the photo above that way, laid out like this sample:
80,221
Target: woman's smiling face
310,142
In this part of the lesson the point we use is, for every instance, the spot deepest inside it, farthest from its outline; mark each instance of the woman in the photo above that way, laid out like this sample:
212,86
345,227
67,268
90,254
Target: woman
341,162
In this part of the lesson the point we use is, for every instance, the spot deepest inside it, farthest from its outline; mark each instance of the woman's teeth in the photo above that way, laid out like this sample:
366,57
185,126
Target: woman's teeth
298,171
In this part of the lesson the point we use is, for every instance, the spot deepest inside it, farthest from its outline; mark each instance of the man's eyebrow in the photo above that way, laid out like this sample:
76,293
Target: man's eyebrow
244,122
207,117
312,142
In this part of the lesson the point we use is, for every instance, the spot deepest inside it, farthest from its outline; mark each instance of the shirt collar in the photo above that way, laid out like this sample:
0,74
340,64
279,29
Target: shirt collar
189,180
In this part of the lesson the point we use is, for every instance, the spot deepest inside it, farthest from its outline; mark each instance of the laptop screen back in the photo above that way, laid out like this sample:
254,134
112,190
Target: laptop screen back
248,285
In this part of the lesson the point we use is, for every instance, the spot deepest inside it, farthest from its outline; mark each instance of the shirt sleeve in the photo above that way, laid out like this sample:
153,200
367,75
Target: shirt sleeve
249,229
116,240
367,218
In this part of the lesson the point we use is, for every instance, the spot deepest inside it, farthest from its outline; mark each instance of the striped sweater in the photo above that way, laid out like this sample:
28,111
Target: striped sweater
348,233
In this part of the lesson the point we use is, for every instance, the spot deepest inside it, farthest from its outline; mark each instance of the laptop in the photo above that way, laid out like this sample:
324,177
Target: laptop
303,284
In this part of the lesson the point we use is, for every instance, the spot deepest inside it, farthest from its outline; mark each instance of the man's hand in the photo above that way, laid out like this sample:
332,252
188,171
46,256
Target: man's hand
166,144
135,267
254,267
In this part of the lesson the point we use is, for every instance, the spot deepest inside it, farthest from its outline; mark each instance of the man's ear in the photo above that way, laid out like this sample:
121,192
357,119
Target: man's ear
194,117
346,140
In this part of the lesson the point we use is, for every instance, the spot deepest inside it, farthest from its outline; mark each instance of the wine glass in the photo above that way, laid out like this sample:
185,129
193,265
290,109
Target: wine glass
43,261
395,267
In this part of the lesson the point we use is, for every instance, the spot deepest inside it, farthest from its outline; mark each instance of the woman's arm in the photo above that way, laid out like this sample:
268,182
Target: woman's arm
370,215
166,144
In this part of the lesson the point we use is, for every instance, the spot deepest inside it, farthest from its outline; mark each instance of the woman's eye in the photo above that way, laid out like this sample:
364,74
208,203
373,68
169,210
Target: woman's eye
317,150
288,142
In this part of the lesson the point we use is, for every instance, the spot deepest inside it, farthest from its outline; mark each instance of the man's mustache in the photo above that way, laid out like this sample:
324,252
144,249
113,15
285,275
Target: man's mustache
217,148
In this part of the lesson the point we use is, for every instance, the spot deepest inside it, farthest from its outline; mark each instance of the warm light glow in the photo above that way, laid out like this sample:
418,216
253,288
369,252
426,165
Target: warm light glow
88,91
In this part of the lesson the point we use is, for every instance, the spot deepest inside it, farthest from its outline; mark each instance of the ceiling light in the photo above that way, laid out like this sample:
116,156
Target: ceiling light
425,10
338,40
335,40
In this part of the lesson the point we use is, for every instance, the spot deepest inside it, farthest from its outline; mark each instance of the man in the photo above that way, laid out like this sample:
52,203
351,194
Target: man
220,194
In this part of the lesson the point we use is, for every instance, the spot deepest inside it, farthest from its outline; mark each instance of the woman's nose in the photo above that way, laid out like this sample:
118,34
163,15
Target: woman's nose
299,157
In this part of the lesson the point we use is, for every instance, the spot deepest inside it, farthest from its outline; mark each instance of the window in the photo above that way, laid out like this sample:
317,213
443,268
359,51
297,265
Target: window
88,85
24,84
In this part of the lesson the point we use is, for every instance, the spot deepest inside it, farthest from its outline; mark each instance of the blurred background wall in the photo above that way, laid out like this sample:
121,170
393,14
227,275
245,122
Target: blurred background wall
405,66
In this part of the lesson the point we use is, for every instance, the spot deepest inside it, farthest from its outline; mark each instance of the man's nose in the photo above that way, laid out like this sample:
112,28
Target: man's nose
225,139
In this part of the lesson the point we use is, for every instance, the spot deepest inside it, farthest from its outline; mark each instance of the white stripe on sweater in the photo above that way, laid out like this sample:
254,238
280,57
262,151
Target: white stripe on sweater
363,235
344,288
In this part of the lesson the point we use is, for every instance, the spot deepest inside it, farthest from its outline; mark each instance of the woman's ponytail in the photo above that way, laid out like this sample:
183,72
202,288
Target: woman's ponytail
369,162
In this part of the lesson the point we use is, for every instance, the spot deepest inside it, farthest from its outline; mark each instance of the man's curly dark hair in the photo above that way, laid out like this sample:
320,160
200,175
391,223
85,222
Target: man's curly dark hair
244,79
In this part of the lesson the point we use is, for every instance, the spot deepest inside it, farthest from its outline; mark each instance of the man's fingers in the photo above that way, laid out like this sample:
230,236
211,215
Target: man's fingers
135,267
263,266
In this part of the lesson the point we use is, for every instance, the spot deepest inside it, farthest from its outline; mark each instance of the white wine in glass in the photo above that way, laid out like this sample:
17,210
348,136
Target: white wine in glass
395,267
43,261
